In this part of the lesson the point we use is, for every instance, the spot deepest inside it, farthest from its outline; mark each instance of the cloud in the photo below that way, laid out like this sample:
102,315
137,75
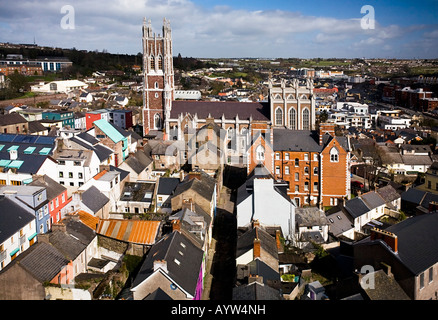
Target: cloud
220,31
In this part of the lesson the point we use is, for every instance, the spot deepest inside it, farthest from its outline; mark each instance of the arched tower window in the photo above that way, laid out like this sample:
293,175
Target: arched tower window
152,62
157,121
292,119
278,117
306,119
160,62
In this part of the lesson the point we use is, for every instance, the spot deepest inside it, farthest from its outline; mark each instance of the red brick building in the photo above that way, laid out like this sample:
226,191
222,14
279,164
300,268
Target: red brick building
314,163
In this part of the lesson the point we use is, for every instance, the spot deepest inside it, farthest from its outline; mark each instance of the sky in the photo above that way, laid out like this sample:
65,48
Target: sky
232,29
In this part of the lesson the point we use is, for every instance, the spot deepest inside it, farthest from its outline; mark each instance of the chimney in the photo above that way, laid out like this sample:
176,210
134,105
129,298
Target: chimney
194,175
187,204
13,154
256,223
43,237
256,248
176,225
389,238
387,269
59,226
326,128
160,264
255,278
278,241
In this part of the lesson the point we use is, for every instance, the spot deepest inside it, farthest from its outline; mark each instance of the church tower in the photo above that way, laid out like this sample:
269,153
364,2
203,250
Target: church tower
158,82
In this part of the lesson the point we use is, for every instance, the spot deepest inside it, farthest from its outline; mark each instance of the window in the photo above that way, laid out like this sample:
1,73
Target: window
76,163
63,198
306,119
160,62
152,63
315,171
306,186
277,170
286,170
286,156
278,117
277,156
157,121
430,274
315,157
306,157
315,186
72,184
297,162
334,155
156,85
306,170
422,280
260,153
292,119
297,176
80,175
61,162
70,174
297,188
61,174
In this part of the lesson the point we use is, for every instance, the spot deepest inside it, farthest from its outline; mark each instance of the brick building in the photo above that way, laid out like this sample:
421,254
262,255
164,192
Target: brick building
314,163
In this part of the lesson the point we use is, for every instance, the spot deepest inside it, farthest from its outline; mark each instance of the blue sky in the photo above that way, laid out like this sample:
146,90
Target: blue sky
224,28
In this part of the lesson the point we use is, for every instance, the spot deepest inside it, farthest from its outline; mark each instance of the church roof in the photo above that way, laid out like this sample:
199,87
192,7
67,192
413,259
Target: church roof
257,110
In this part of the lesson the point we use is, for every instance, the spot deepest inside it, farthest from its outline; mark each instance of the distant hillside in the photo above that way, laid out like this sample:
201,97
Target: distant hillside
86,62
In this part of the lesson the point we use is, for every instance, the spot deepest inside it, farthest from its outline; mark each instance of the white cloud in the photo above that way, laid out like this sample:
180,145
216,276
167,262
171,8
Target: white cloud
115,25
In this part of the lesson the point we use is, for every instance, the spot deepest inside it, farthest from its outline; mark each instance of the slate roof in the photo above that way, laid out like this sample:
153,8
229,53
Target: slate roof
255,291
388,193
270,276
417,241
194,223
356,207
158,294
385,288
36,126
53,188
296,140
43,261
12,218
11,118
135,191
31,162
372,200
204,187
257,110
166,185
138,161
246,242
339,223
94,199
413,195
311,216
184,274
24,141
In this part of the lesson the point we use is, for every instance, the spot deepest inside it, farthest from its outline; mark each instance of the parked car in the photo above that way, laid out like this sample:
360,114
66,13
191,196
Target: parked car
357,184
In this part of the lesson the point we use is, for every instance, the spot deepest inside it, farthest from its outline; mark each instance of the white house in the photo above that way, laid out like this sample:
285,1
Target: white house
264,199
63,86
17,230
365,208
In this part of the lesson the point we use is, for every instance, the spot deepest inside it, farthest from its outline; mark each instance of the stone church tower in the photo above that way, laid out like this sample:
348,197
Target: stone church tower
158,85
